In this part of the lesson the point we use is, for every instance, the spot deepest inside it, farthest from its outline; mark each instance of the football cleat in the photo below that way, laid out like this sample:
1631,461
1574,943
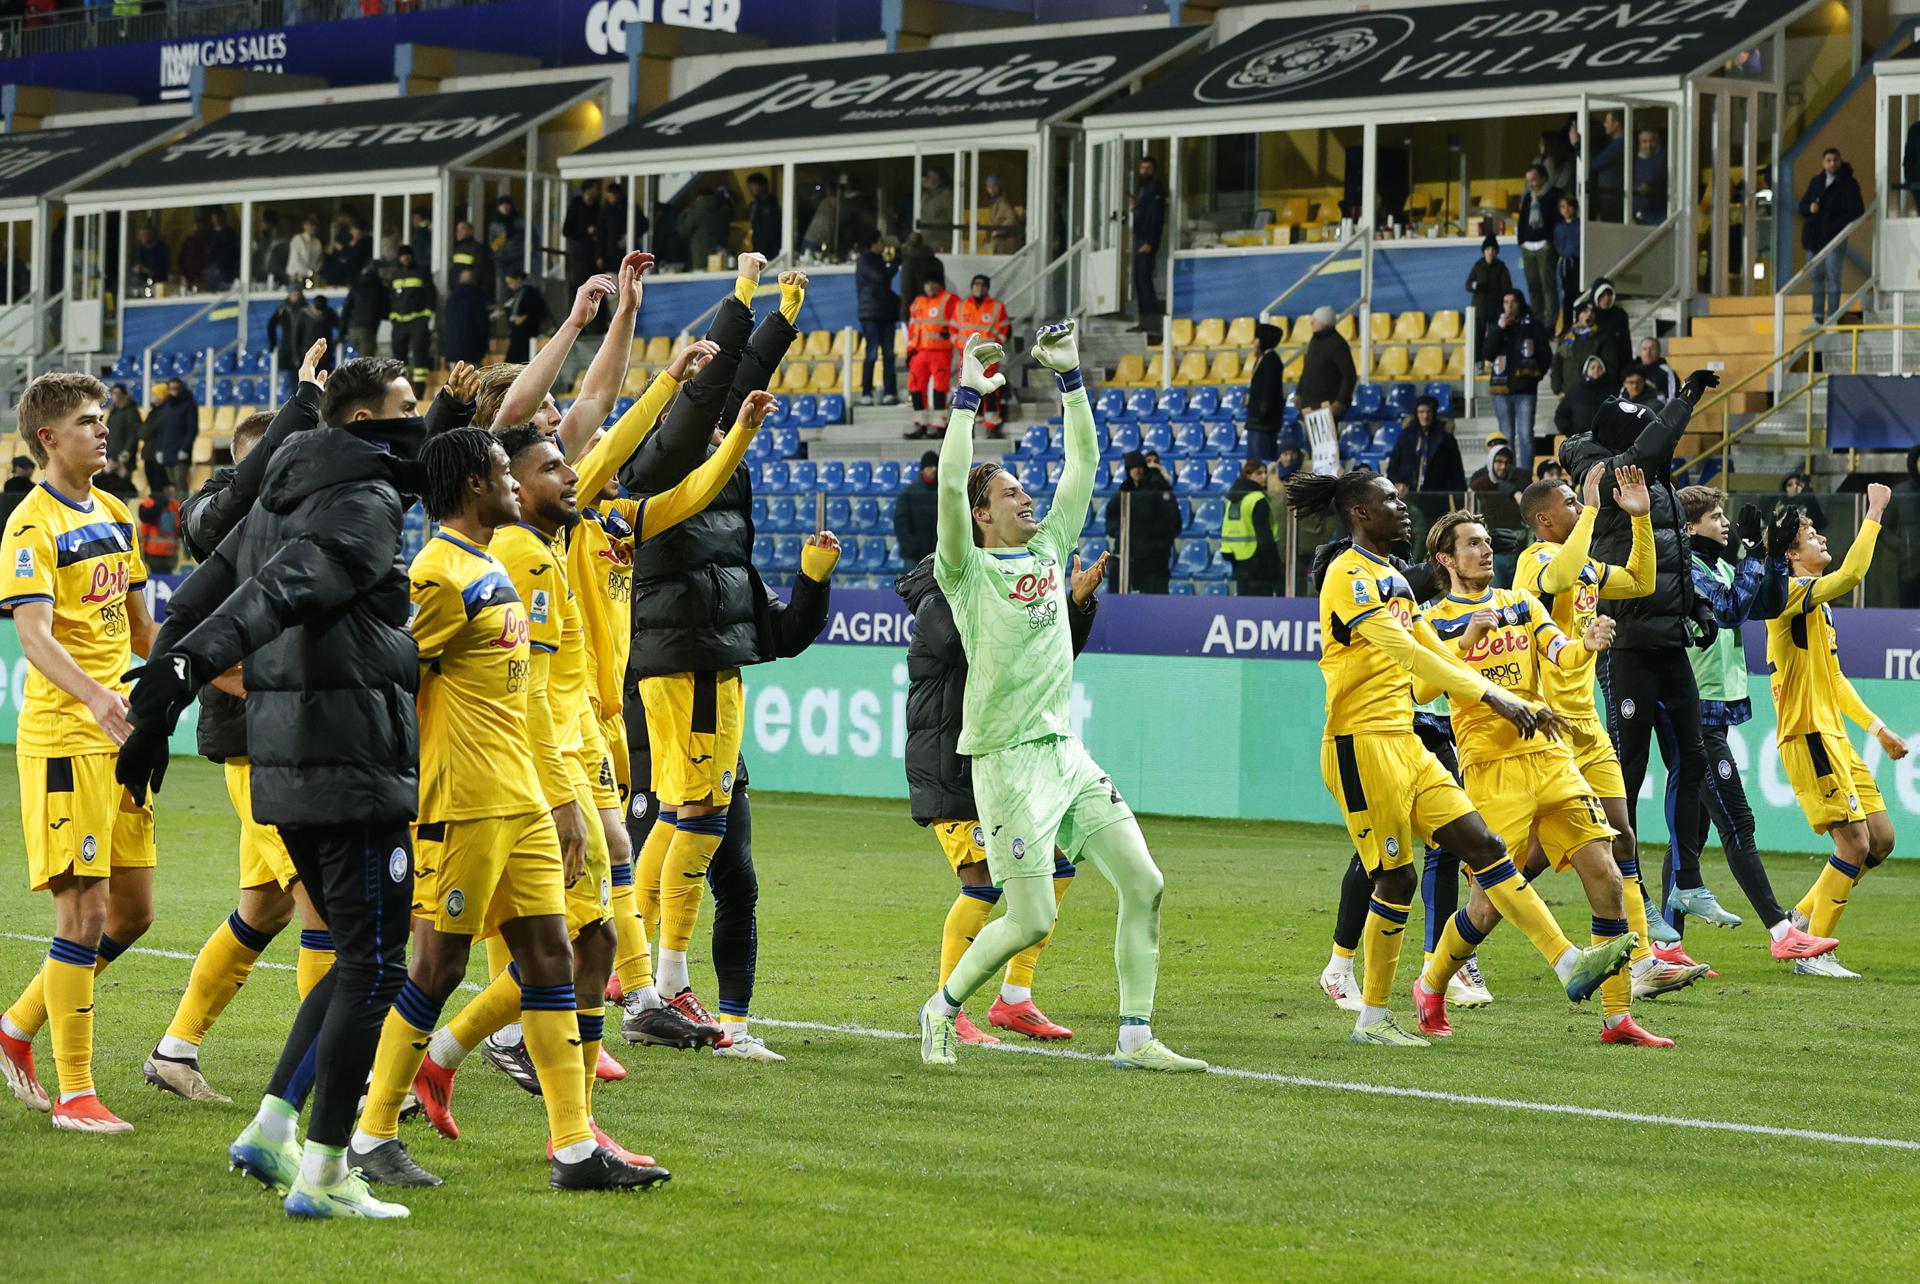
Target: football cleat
1386,1033
85,1114
1659,931
614,993
1155,1055
1827,964
1676,954
1341,988
1631,1034
938,1038
607,1070
665,1027
433,1088
603,1170
275,1165
749,1047
1702,904
970,1034
182,1077
1654,976
689,1007
348,1197
389,1164
1432,1012
16,1063
1797,944
513,1060
1025,1018
1467,988
1597,963
619,1151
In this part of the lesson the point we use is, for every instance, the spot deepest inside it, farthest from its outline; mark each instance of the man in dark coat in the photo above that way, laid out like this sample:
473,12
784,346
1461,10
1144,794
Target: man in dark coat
916,513
1153,524
311,592
878,308
1831,203
1149,230
1266,395
464,325
1327,374
763,216
527,315
1426,456
1487,284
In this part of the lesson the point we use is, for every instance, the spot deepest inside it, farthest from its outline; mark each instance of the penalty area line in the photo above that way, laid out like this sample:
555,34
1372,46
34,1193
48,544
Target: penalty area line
1267,1076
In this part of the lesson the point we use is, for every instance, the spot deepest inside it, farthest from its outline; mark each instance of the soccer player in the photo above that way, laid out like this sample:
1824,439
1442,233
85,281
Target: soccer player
1756,587
1003,575
1813,699
1523,787
1390,790
270,889
74,575
940,782
1559,571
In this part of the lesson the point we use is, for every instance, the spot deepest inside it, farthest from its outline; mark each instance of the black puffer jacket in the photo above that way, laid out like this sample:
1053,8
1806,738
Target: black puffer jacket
939,779
311,592
207,517
1625,434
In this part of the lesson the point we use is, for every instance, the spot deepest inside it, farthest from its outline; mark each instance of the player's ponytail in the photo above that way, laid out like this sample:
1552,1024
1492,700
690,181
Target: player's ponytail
1336,496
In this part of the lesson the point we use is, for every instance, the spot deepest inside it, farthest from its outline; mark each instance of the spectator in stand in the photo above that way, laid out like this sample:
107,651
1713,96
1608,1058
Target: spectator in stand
1152,521
1549,470
420,236
1487,285
410,317
930,355
118,482
936,209
18,486
464,322
150,259
1327,374
878,308
581,234
1291,457
1426,457
705,225
916,513
305,252
613,223
171,430
1266,395
223,251
291,331
1572,349
1497,476
348,257
1539,206
1248,535
1610,319
917,263
1650,180
1556,158
1519,353
1665,383
1149,228
123,426
1635,388
1798,489
324,323
1831,203
1582,399
1607,173
159,519
982,314
527,315
1007,233
270,250
764,222
368,302
1566,252
192,262
469,251
507,240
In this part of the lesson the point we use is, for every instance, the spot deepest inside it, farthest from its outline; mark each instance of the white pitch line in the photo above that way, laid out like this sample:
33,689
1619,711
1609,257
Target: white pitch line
1268,1076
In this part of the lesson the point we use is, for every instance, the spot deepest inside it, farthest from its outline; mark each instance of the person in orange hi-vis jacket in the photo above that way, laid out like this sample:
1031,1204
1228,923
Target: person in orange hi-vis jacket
930,344
986,316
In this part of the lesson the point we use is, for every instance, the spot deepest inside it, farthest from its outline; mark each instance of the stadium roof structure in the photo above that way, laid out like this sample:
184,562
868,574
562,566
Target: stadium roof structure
839,107
1430,59
355,145
45,164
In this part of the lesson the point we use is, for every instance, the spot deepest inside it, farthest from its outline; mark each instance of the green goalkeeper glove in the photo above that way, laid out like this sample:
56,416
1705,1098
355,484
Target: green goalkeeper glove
1054,347
981,353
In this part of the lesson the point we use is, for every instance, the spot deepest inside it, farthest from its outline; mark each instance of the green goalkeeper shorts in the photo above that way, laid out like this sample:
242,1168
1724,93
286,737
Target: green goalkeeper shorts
1038,796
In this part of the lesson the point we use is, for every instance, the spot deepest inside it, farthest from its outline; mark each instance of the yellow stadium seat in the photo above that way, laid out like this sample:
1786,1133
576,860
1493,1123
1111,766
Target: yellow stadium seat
1446,326
659,350
840,340
1381,323
223,420
797,350
1391,363
1347,328
1291,371
1457,363
1291,212
1302,330
826,377
206,418
1130,371
1155,372
1240,332
1429,361
203,448
1410,327
1181,332
1211,333
1191,370
793,377
1226,368
635,382
819,343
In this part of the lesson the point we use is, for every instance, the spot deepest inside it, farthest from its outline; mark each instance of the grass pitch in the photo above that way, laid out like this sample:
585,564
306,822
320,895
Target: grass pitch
854,1161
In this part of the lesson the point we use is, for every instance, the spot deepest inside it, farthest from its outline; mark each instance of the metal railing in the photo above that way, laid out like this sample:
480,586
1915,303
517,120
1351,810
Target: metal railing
234,296
1359,235
1796,283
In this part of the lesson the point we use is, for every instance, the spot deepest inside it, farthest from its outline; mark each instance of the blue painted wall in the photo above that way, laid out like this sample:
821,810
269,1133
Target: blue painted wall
1406,277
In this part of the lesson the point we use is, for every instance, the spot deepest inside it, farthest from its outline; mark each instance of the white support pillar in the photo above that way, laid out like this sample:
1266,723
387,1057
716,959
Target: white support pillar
1369,180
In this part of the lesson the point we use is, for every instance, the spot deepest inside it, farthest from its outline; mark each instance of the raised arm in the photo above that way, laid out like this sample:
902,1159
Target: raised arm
1836,584
955,528
601,386
530,387
795,623
1056,348
603,460
698,489
1636,578
1562,571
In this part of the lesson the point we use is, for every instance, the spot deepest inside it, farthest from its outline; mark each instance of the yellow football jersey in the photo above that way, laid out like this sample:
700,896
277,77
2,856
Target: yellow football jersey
81,556
1511,656
539,576
1810,693
472,631
1367,690
601,572
1569,691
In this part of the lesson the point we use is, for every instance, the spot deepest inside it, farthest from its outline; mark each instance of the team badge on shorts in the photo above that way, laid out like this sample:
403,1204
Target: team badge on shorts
1626,708
639,806
397,865
606,893
726,782
1019,849
1726,770
456,903
1853,802
89,848
1393,846
979,836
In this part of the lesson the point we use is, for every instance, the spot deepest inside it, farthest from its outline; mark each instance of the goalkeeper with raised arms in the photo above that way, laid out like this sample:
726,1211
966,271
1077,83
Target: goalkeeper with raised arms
1004,575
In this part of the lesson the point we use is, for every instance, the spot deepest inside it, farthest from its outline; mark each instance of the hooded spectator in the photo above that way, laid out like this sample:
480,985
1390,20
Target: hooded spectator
1266,394
1426,457
1798,489
916,513
1572,350
1153,524
1487,284
1610,319
1582,401
1497,475
123,426
368,302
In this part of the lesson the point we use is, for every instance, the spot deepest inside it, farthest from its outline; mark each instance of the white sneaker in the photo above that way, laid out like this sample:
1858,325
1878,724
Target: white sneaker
748,1047
1342,988
1654,976
1467,988
1824,965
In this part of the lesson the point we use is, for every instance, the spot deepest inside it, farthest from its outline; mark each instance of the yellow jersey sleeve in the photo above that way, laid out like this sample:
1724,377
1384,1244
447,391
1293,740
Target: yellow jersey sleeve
597,467
30,554
437,612
699,488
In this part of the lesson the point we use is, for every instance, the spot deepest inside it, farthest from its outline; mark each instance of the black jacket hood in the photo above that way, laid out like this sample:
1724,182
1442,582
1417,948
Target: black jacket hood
327,457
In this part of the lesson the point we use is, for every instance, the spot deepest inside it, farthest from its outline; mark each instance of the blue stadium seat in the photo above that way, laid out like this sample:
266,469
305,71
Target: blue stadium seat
801,476
223,392
1399,400
884,520
1091,548
1223,439
1221,474
865,515
857,476
1190,561
1096,522
1033,444
1354,438
1141,404
1172,403
1190,440
1189,476
1386,434
786,552
1207,516
1033,476
1158,437
833,408
786,443
776,418
1367,400
1111,404
1234,402
622,405
1290,417
759,512
1204,403
1180,588
1123,437
839,515
889,475
1213,588
761,447
226,363
763,551
832,476
1108,477
125,366
1054,468
773,476
805,412
1442,393
876,554
779,513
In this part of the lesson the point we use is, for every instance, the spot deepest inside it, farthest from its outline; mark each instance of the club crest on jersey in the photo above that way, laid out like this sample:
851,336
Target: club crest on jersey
456,903
1019,849
89,848
23,564
397,865
1626,708
542,603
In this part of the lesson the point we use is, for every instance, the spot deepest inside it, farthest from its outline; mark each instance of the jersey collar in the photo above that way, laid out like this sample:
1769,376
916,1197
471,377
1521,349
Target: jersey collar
1472,601
1007,554
1371,557
457,542
75,505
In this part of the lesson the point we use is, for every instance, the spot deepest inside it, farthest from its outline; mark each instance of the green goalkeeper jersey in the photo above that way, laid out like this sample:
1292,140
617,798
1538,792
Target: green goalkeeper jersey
1010,604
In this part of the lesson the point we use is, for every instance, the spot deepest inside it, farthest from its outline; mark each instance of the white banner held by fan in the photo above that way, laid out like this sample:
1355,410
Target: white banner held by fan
1324,440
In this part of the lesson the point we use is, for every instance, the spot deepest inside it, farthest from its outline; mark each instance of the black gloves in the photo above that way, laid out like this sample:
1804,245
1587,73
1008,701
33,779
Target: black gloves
163,687
1752,536
142,763
1784,531
1696,385
1703,627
